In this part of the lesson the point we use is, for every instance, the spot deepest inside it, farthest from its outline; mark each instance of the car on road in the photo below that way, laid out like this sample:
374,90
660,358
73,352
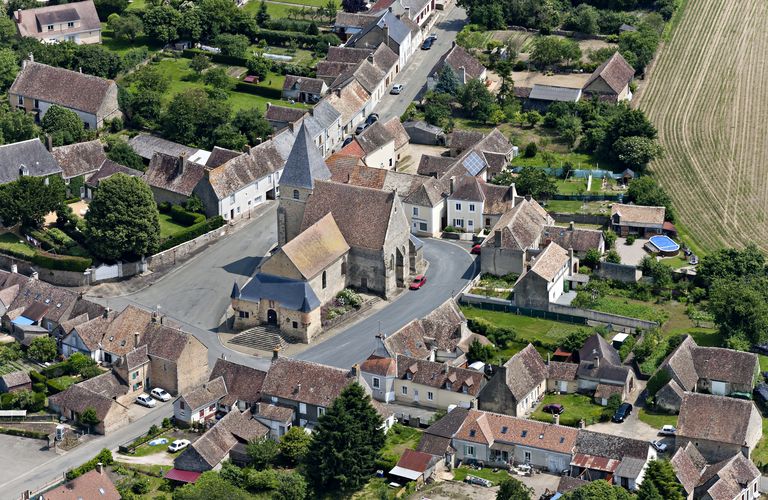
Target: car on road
554,409
475,249
427,44
396,88
160,394
178,445
624,411
361,127
433,36
146,400
668,430
418,282
660,447
347,141
372,118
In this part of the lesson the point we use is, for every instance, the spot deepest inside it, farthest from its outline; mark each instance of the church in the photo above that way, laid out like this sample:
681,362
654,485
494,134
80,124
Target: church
331,236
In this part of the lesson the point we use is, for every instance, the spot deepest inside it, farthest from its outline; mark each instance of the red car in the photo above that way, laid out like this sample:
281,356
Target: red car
418,282
475,250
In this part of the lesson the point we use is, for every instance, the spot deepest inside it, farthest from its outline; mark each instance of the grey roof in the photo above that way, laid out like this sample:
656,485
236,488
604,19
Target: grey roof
303,84
398,30
417,243
30,154
107,170
57,16
597,345
291,294
305,163
630,467
220,156
715,418
136,358
448,425
80,158
208,393
374,137
524,371
146,145
281,114
16,378
610,446
34,21
553,93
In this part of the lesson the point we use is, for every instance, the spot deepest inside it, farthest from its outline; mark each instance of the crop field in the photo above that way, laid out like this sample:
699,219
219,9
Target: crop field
708,97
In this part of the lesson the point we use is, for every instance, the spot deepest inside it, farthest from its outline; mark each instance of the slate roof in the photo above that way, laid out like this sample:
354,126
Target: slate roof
296,295
715,418
384,58
31,154
70,89
305,382
243,382
638,214
303,84
605,391
524,372
610,446
344,201
554,94
285,114
15,379
220,156
305,164
398,30
401,182
449,425
428,194
727,479
457,58
245,169
520,227
59,300
316,247
207,394
616,72
33,20
172,173
107,170
580,240
439,375
146,145
374,138
557,370
80,158
368,75
597,345
631,467
92,484
550,262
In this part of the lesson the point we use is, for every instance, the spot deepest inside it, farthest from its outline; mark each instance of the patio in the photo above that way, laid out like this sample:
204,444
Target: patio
631,254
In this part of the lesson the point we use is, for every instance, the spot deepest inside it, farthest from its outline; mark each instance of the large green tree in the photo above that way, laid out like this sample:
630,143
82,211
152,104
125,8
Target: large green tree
252,124
122,220
477,100
63,125
513,489
637,152
192,116
89,418
43,349
646,191
660,482
162,23
9,66
121,152
598,490
15,125
210,486
294,445
262,453
345,443
535,182
740,309
731,264
27,200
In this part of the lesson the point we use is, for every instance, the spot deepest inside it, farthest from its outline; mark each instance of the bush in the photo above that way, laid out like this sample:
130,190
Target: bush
349,297
627,347
23,433
36,377
192,232
181,216
61,263
630,239
104,457
164,207
657,381
531,149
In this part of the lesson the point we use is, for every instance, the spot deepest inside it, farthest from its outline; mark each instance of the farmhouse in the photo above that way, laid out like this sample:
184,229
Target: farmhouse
637,220
463,64
516,385
610,81
75,22
26,158
616,459
734,477
601,371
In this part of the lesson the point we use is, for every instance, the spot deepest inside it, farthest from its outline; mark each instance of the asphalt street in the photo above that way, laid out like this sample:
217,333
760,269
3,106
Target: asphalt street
414,75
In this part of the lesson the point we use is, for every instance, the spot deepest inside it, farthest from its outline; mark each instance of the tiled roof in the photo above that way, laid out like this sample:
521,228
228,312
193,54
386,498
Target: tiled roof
305,164
568,483
638,214
218,441
435,166
580,240
349,55
107,170
550,262
377,365
598,444
561,371
165,342
344,202
402,182
316,247
305,382
80,396
467,188
245,169
33,20
368,75
80,158
30,154
520,227
358,174
59,300
146,145
461,62
727,479
440,375
596,345
384,58
207,394
688,464
397,131
415,460
303,84
220,156
8,294
119,336
408,340
442,329
243,382
285,114
353,20
449,424
273,412
374,137
428,194
16,378
330,70
726,365
61,86
353,149
92,331
605,391
173,173
351,99
136,358
463,139
715,418
616,72
341,165
498,199
524,372
92,485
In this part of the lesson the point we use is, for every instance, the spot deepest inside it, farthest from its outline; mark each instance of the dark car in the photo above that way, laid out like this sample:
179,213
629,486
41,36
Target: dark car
427,44
554,409
475,249
347,141
761,393
418,282
372,118
622,413
361,127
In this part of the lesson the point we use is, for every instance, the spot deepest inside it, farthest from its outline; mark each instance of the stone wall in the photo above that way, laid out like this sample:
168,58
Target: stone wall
618,272
168,258
561,218
52,276
601,317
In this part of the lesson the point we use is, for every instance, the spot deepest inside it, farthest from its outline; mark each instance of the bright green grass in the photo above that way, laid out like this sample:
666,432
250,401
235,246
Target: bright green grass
168,227
675,262
145,449
577,407
526,328
631,308
275,10
137,5
656,420
123,46
760,453
461,473
10,241
577,160
400,438
763,362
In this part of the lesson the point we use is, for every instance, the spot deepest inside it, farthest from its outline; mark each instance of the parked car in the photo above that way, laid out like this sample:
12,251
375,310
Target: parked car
624,411
160,394
396,88
427,44
178,445
347,141
433,36
146,400
372,118
761,393
668,430
554,409
478,480
158,442
361,127
475,249
418,282
660,447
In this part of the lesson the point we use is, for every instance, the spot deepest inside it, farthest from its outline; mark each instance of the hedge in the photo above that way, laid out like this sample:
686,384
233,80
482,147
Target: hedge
37,377
23,433
104,456
61,263
56,386
178,214
249,88
53,371
46,242
192,232
274,66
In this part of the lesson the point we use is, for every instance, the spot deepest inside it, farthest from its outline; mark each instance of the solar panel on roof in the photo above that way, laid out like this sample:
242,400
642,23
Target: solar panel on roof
473,163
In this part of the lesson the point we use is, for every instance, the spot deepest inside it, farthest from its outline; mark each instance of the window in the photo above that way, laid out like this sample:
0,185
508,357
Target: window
527,456
376,383
471,207
135,374
302,408
416,211
487,221
409,376
37,103
320,411
245,314
21,100
231,198
211,408
469,450
202,413
50,27
295,194
274,400
325,280
404,390
422,226
458,206
448,386
470,223
70,24
458,222
430,396
181,405
295,325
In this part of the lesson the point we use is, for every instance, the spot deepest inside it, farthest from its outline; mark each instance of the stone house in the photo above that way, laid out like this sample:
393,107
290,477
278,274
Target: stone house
348,24
421,132
637,220
463,64
85,337
620,460
78,162
546,279
303,89
561,377
354,104
172,178
39,304
178,361
711,370
474,205
732,478
718,426
146,145
378,146
27,158
107,170
76,22
201,403
99,393
280,117
380,371
395,128
15,381
243,384
571,237
390,30
600,371
610,81
369,76
324,125
277,418
37,87
133,369
516,386
426,208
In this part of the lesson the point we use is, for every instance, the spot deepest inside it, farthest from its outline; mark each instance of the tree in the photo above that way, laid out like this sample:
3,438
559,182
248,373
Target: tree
637,152
262,453
447,81
312,29
477,100
569,127
27,200
740,310
535,182
585,19
345,443
290,486
89,418
252,124
217,16
480,352
104,8
162,23
550,50
531,149
232,45
598,490
227,136
610,238
294,445
575,340
533,118
591,258
262,16
97,60
199,63
645,191
122,219
9,66
191,23
121,152
613,257
660,482
192,116
63,125
218,79
730,264
126,27
353,5
16,125
513,489
258,66
210,486
43,349
437,110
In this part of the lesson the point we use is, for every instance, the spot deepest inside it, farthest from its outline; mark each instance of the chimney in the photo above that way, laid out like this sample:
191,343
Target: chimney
48,142
453,184
14,268
356,371
269,105
18,15
497,238
597,361
370,58
337,91
527,197
557,419
34,275
80,69
100,468
275,353
180,164
570,226
445,368
223,356
581,424
135,339
389,9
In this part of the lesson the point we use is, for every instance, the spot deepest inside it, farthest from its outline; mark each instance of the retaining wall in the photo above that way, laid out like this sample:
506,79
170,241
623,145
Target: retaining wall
52,276
618,272
170,257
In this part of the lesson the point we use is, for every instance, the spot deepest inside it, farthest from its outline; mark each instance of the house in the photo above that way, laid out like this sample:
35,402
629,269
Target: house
328,70
108,169
199,404
368,76
75,22
92,484
354,104
600,371
732,478
578,239
219,156
146,145
415,466
78,162
38,304
463,64
282,116
397,131
517,385
304,89
546,279
26,158
718,426
541,96
420,12
98,393
277,418
421,132
15,381
637,220
711,370
37,87
616,459
474,204
610,81
561,377
390,30
348,24
172,178
323,123
133,369
243,384
380,371
461,140
426,208
378,146
228,438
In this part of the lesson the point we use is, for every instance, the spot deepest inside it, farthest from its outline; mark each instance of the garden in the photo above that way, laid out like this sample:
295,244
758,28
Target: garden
577,407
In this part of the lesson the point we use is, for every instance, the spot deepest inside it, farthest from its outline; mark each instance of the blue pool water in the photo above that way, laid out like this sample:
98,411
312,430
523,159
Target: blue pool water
664,243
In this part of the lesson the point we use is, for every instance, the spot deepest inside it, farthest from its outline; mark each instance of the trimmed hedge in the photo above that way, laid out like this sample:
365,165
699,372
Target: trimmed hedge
104,456
268,92
37,377
185,218
61,263
192,232
23,433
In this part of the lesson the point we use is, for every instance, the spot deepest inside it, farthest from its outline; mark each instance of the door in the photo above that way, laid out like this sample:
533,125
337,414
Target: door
271,317
416,395
364,284
562,386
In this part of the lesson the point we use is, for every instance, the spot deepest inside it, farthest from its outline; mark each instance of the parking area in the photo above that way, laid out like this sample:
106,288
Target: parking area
27,454
135,410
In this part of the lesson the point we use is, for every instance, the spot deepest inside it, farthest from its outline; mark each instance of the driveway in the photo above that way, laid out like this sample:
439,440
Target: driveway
20,455
631,254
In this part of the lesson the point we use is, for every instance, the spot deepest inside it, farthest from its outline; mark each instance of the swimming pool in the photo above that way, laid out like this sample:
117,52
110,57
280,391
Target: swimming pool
665,244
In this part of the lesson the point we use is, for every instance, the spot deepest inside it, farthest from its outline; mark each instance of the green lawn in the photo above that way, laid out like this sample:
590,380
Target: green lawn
760,453
123,46
577,207
578,160
656,420
400,438
278,10
65,381
631,308
709,337
168,227
577,407
675,262
526,328
145,449
10,241
137,5
461,473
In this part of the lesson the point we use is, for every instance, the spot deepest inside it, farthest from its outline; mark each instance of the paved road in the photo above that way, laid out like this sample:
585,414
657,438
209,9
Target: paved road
414,75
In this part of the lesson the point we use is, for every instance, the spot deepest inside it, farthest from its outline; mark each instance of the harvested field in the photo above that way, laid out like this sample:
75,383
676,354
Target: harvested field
528,79
707,95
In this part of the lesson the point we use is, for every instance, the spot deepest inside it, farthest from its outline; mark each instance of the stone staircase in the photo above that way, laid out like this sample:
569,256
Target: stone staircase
263,338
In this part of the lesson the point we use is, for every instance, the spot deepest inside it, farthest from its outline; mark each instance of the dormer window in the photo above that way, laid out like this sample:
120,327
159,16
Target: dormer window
464,389
50,27
23,170
408,376
448,386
